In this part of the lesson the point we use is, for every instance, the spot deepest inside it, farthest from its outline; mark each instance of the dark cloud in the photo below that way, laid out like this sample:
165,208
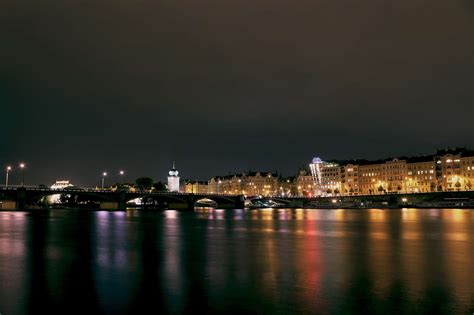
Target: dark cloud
229,85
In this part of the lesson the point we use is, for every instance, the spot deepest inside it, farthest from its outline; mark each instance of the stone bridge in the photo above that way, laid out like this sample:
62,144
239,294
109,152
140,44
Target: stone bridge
13,198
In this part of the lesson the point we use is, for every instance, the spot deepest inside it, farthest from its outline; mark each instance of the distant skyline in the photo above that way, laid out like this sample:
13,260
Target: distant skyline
122,176
228,86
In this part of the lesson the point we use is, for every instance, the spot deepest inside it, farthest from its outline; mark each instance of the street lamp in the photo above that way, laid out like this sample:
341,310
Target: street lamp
103,178
22,167
121,173
9,168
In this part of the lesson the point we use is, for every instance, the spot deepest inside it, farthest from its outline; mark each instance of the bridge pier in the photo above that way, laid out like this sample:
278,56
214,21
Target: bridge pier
21,198
191,202
9,205
112,205
240,203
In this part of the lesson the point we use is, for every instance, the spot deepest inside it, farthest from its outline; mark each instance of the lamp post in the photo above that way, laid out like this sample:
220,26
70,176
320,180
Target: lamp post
9,168
22,167
121,173
103,178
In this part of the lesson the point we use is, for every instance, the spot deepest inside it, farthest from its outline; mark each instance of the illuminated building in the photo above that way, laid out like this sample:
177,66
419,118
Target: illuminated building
394,173
331,179
421,175
467,172
382,177
248,183
316,167
447,170
350,179
196,187
304,184
454,169
286,187
173,180
370,178
326,177
59,184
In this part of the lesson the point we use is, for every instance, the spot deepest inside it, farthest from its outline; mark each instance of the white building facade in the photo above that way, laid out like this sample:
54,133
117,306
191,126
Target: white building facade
59,184
173,180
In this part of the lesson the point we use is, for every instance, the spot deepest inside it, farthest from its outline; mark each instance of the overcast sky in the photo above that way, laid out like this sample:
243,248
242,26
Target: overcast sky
229,85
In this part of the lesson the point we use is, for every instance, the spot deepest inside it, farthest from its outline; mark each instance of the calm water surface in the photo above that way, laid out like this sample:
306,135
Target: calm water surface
409,261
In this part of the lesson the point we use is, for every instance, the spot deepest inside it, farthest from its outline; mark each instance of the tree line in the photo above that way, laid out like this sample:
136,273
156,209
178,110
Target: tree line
142,183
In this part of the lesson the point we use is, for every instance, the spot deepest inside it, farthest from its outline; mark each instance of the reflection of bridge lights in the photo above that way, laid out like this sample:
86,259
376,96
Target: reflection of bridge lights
171,214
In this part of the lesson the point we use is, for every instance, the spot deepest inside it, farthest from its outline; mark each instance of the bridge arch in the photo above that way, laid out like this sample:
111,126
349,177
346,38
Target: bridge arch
76,195
205,203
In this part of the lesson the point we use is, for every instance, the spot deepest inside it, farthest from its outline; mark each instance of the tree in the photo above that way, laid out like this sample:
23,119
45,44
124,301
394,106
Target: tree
160,186
328,191
351,190
336,191
380,189
121,187
144,183
458,185
468,185
399,187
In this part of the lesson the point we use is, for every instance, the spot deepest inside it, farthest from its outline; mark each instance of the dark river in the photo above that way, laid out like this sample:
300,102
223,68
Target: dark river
409,261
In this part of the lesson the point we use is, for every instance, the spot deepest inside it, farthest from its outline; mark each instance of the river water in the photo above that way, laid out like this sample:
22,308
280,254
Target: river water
397,261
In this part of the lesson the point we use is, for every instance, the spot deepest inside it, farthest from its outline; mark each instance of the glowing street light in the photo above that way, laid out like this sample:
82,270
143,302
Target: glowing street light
9,168
103,178
121,173
22,167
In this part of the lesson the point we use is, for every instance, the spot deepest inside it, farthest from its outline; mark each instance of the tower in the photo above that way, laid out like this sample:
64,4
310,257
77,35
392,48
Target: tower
173,180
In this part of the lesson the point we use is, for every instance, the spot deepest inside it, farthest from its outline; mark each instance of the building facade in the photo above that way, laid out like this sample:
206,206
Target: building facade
446,170
249,183
59,184
173,180
326,177
196,187
303,184
421,175
350,179
467,172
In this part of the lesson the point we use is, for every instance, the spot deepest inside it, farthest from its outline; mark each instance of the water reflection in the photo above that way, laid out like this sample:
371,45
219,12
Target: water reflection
13,275
238,261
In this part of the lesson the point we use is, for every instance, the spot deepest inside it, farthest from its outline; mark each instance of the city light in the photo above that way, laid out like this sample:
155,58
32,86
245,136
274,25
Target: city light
9,168
104,174
22,168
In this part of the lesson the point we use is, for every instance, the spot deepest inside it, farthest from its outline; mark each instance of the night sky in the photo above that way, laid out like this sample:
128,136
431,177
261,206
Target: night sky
229,85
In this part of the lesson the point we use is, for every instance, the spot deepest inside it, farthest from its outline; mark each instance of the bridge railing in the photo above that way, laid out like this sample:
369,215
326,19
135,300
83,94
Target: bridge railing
14,187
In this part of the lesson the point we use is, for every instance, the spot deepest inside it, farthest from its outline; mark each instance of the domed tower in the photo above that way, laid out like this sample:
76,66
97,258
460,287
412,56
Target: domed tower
173,180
